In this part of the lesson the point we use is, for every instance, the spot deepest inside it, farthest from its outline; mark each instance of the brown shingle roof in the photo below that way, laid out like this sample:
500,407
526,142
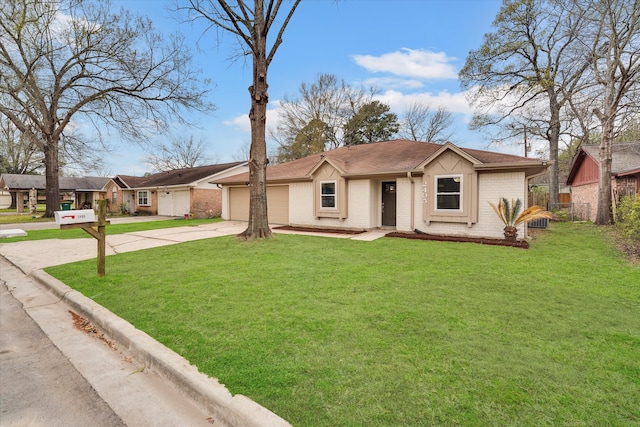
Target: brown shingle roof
176,177
389,157
625,156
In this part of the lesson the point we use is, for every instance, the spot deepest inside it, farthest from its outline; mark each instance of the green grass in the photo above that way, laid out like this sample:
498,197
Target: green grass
56,233
332,332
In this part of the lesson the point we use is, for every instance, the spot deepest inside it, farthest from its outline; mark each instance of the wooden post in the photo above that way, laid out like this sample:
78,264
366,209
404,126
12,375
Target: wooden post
97,233
102,220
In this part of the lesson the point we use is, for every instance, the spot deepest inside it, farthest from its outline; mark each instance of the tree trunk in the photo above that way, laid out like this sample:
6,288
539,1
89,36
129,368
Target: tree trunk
603,215
52,186
258,226
553,136
510,233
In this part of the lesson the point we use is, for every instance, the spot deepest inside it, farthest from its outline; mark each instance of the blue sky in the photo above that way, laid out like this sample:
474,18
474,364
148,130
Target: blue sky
411,50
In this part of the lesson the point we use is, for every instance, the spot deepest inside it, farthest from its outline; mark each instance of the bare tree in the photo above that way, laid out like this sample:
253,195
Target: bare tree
251,25
178,154
243,152
61,61
528,60
18,154
327,100
421,123
615,43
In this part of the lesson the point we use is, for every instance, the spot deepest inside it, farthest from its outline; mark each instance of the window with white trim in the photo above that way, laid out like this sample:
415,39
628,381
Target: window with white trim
114,196
143,198
449,193
328,195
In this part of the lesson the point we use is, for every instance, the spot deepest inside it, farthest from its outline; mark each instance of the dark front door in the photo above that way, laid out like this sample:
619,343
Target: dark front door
389,204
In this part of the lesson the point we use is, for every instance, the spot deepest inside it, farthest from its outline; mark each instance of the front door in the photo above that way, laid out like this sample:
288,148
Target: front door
389,204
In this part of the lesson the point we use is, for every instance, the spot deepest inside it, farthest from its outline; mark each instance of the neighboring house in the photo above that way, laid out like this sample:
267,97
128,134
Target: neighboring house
585,172
121,194
83,191
172,193
400,184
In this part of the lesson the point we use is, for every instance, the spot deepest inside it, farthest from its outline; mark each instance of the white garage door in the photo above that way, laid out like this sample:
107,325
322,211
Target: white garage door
173,203
181,203
165,203
277,204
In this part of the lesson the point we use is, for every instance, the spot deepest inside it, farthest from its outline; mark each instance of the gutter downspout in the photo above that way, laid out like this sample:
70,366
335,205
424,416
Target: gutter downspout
413,201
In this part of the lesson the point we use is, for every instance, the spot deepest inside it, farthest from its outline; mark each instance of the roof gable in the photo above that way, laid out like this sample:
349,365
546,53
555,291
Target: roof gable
625,158
324,161
448,146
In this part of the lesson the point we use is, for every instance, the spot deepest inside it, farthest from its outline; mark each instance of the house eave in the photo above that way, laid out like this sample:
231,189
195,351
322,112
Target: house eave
530,168
396,173
627,173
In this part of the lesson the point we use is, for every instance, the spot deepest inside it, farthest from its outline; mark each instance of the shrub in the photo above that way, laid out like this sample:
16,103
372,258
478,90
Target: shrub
628,217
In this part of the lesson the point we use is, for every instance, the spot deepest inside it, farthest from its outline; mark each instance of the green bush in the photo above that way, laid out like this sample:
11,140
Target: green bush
628,217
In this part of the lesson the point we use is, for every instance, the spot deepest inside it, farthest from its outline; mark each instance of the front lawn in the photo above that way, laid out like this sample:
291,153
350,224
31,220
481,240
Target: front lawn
395,332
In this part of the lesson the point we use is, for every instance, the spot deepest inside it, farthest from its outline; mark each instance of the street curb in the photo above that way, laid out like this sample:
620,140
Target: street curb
228,410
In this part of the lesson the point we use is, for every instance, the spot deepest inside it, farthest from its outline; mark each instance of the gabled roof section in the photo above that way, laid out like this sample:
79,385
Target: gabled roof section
449,146
12,181
67,183
176,177
130,181
395,157
324,160
625,158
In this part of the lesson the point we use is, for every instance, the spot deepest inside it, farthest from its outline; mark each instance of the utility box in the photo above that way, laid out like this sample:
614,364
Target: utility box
74,217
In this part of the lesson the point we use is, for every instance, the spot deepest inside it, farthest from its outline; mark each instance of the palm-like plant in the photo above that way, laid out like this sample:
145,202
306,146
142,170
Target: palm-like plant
509,214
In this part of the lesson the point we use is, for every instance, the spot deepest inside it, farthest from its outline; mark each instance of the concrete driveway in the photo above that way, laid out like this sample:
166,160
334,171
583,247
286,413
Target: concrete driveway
38,254
34,255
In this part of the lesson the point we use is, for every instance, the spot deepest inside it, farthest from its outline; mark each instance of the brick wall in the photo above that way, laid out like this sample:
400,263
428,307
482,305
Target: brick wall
206,203
586,194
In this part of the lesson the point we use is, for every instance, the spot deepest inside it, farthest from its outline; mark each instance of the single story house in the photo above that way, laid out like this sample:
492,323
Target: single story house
400,184
585,172
176,192
82,191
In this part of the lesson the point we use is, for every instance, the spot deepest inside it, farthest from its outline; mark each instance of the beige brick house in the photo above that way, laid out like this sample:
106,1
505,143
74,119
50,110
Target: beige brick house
176,193
400,184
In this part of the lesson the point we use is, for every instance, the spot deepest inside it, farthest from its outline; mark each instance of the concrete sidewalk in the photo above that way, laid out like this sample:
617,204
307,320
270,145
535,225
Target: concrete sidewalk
165,390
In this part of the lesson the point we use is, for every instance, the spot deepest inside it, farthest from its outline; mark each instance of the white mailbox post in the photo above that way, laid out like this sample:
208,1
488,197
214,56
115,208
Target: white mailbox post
86,219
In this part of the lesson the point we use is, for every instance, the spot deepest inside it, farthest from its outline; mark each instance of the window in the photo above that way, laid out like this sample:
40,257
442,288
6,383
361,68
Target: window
448,192
114,196
328,195
143,198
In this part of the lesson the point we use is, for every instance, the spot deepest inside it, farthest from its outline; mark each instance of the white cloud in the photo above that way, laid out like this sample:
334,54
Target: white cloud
453,102
422,64
241,122
393,83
